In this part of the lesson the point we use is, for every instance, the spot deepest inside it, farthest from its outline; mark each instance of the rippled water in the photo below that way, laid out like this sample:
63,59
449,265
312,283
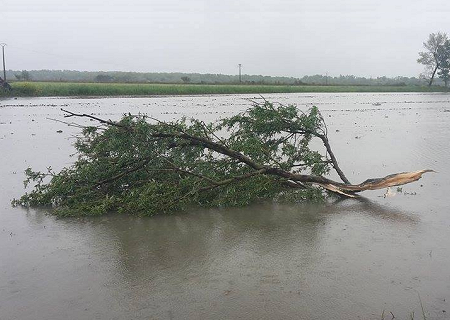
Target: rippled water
345,260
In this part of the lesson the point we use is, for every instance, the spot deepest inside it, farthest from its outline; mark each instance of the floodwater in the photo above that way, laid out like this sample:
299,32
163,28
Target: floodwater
353,259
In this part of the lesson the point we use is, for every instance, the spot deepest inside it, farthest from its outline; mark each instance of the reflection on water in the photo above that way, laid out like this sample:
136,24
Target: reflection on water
369,207
338,260
188,244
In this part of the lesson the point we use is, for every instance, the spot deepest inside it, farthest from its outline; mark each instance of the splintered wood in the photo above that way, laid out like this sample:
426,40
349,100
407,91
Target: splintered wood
391,180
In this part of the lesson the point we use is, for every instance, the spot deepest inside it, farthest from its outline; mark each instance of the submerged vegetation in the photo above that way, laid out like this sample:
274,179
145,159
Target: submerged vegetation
60,89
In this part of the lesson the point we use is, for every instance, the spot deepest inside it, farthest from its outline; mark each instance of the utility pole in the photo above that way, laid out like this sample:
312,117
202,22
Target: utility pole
240,74
326,79
4,68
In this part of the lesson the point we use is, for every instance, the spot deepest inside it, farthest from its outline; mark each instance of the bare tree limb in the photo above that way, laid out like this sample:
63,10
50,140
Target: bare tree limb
333,158
84,115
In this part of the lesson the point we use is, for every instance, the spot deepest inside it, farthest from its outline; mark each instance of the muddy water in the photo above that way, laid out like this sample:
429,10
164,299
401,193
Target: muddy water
345,260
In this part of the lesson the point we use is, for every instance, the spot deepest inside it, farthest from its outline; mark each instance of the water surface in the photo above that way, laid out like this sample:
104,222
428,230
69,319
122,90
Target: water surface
343,260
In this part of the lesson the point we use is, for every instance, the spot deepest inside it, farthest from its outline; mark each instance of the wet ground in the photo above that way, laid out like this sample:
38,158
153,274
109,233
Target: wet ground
345,260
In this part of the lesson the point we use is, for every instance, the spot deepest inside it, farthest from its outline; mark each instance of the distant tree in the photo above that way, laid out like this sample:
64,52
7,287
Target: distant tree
124,77
444,62
430,57
186,79
116,76
24,75
103,78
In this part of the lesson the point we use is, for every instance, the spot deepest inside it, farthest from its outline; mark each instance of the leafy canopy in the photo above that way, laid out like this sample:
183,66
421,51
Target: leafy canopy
140,165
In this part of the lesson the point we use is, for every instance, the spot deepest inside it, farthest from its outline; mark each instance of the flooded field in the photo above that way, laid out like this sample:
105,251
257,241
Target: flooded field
352,259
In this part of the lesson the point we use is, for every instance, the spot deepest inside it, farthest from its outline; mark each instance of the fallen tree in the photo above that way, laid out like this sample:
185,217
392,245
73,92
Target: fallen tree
146,166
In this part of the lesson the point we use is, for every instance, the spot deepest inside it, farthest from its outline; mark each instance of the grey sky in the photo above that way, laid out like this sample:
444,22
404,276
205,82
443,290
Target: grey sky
284,37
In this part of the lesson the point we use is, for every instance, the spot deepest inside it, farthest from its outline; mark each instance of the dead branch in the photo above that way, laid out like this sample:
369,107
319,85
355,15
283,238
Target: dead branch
84,115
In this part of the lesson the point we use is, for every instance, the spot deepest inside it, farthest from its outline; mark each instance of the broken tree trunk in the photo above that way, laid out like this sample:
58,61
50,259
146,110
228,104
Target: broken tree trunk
293,180
391,180
142,165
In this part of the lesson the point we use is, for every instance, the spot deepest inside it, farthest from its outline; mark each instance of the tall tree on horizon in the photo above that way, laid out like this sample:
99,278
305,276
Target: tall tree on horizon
430,58
444,62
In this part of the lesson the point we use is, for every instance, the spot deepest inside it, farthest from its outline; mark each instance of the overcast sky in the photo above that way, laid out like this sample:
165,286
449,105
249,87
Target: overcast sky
270,37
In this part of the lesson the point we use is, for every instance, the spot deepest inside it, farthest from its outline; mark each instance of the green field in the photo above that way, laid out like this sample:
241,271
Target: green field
61,89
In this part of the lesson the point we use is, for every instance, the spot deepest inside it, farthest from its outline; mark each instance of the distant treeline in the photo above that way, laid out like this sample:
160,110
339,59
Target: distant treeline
197,78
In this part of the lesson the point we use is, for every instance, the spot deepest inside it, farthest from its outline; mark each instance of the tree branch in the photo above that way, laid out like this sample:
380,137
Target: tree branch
342,188
333,158
84,115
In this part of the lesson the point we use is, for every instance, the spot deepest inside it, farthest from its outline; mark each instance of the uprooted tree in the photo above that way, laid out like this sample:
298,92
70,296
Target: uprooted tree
145,166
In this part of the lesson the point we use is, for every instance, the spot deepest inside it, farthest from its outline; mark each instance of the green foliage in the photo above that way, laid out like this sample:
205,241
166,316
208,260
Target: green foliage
63,89
258,132
176,77
436,56
143,166
26,89
186,79
24,75
443,55
103,78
